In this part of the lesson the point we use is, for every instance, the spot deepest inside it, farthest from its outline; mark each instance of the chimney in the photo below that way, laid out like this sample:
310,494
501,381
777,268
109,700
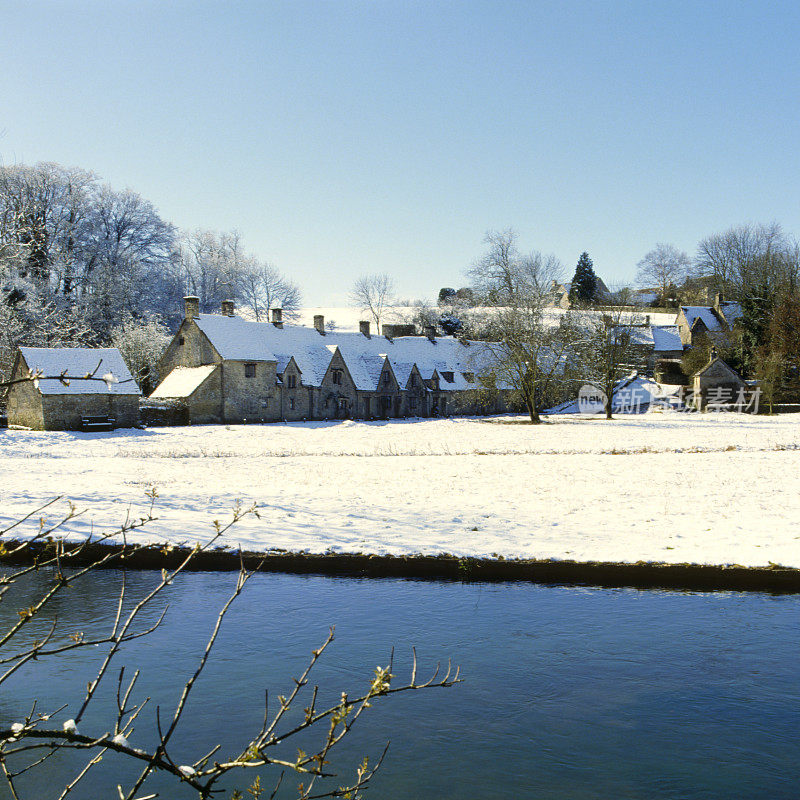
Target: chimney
277,317
363,327
430,332
227,308
191,307
719,299
319,323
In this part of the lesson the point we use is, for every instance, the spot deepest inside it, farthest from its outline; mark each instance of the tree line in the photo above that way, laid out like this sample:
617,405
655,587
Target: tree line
82,263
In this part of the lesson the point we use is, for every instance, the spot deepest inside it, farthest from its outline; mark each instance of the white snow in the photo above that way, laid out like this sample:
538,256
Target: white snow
104,363
705,488
183,381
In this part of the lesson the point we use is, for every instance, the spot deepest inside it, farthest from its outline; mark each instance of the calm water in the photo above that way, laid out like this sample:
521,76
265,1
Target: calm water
569,693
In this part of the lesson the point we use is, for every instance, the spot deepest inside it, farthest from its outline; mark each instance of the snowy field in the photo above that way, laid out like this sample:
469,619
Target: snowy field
672,487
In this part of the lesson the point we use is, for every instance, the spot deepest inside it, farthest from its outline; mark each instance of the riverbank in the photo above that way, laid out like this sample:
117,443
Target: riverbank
688,577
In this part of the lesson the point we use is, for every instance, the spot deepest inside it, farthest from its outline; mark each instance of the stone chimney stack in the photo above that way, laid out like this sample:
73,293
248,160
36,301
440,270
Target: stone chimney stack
319,323
227,308
277,317
719,299
430,332
363,327
191,307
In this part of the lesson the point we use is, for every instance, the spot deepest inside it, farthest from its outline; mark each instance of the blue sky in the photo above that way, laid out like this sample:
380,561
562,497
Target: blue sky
342,138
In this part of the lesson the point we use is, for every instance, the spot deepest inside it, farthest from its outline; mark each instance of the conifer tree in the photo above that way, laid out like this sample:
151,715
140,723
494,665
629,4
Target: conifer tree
584,284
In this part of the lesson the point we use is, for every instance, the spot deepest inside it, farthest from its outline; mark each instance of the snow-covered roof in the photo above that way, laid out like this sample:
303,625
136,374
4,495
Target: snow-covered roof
241,341
183,381
74,362
666,337
704,313
238,339
731,310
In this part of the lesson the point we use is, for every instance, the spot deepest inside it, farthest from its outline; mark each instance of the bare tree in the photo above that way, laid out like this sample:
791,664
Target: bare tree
528,342
662,267
373,294
605,349
30,742
141,342
262,287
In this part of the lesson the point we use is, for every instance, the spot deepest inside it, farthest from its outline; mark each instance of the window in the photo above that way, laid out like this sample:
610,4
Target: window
291,382
337,377
342,403
413,403
448,376
291,403
181,340
249,370
386,378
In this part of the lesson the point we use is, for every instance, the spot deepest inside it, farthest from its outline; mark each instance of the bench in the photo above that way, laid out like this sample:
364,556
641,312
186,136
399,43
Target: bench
98,423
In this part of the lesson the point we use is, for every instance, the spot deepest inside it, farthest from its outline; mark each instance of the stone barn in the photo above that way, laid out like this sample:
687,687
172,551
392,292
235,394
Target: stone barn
63,399
719,385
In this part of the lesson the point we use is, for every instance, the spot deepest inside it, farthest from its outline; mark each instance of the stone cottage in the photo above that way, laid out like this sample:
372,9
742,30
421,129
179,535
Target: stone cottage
714,322
228,369
63,399
719,385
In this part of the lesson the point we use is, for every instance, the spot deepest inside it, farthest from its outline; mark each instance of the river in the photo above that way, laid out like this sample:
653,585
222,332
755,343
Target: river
568,693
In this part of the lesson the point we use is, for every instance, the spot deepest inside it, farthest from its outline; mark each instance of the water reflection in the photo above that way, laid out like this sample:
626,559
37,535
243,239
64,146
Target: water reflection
569,693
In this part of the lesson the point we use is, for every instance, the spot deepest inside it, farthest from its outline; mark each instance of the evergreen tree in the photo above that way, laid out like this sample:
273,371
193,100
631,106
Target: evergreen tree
584,284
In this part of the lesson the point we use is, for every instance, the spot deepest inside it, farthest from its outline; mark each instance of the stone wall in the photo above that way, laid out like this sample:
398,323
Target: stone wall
195,351
250,399
65,411
24,406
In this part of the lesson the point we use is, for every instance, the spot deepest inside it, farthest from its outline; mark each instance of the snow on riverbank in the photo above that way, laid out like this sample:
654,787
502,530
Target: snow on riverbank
663,487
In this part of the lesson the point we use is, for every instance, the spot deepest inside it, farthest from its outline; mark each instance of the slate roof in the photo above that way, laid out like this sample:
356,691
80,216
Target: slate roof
241,340
666,337
77,361
183,381
704,313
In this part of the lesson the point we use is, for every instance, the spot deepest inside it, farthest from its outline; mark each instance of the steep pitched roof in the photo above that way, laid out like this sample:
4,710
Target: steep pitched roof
238,339
80,361
183,381
705,314
731,310
666,337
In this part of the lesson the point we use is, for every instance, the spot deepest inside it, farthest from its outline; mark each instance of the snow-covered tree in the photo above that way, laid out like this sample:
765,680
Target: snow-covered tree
141,341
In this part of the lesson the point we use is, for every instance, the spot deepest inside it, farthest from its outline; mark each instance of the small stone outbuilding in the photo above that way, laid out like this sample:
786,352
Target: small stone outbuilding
62,398
718,385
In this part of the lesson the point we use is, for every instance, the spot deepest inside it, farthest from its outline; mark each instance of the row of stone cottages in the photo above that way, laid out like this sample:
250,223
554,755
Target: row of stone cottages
222,368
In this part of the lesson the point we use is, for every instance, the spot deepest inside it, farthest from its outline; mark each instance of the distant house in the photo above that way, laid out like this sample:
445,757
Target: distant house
715,322
66,403
652,343
719,384
223,368
559,293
